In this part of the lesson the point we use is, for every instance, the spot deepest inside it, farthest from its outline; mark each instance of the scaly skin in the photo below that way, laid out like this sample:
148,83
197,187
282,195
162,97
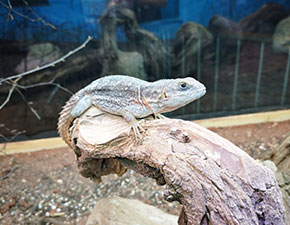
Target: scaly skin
130,98
65,119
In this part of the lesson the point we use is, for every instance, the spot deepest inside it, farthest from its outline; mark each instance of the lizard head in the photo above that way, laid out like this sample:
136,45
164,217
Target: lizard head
172,94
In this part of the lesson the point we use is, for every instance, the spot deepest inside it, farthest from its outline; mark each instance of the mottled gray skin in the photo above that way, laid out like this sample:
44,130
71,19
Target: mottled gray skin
131,98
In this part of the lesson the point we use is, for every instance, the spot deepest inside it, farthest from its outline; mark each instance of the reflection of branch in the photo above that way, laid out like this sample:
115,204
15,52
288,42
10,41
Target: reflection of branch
10,172
38,17
52,64
44,84
14,134
11,90
10,16
12,10
29,104
12,80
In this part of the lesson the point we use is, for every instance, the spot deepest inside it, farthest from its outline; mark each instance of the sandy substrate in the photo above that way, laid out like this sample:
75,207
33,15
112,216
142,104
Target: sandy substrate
45,187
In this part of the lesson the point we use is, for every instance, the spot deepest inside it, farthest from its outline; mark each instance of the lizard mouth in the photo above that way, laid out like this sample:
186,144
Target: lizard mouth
197,94
202,92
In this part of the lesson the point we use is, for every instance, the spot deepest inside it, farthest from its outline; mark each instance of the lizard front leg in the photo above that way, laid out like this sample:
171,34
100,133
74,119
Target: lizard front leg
130,118
81,106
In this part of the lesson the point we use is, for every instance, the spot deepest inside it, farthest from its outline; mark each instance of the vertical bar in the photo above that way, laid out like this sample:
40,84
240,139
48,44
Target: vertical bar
236,75
182,56
164,57
216,74
198,70
183,111
259,75
134,46
285,79
51,96
26,43
169,56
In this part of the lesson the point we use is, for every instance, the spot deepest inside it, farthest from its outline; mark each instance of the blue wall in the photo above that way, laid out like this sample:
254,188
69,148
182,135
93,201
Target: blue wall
243,7
201,11
76,19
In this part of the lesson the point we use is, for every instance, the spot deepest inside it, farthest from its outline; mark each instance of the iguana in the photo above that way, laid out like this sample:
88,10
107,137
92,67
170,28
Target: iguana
130,98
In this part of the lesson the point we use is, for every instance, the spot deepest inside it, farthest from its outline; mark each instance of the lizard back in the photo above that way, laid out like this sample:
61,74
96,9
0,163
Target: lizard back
113,94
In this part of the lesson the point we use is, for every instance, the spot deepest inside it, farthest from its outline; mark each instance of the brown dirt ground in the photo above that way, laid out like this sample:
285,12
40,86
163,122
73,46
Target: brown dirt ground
45,187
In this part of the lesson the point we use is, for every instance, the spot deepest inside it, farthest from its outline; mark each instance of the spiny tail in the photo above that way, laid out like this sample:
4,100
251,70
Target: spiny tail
65,119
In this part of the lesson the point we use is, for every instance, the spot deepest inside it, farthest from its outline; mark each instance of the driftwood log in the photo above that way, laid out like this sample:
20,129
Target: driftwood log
116,61
147,46
214,180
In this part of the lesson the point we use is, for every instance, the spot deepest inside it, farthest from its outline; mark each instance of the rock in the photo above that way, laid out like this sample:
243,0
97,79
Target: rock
271,165
186,43
229,32
281,158
225,28
38,55
126,63
152,50
121,211
286,199
281,38
261,23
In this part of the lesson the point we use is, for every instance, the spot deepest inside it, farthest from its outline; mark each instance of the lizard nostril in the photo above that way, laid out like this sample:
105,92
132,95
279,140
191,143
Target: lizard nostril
165,95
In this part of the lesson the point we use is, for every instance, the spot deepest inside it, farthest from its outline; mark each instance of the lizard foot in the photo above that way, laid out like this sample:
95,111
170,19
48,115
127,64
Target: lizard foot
159,116
137,129
134,124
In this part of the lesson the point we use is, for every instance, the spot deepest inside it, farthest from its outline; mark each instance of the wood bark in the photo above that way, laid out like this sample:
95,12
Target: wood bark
214,180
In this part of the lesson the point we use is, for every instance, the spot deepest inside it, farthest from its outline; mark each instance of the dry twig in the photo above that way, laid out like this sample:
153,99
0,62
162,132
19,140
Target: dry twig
14,134
11,10
11,90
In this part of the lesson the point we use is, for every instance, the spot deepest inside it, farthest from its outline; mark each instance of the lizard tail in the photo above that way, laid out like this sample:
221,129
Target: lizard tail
65,119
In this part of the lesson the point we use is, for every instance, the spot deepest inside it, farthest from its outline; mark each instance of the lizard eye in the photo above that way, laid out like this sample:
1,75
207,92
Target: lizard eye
183,85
